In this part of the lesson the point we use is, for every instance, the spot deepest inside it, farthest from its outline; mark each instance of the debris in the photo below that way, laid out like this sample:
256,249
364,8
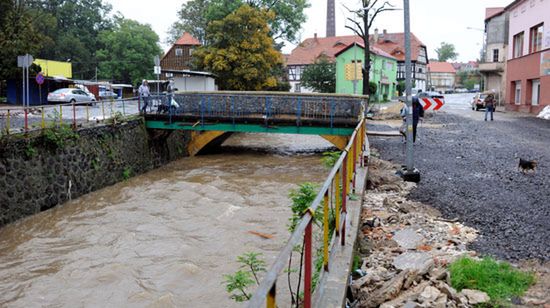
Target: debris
475,297
262,235
408,238
419,261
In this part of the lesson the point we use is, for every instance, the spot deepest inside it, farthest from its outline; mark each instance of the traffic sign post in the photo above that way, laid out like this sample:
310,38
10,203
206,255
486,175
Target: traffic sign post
157,72
40,80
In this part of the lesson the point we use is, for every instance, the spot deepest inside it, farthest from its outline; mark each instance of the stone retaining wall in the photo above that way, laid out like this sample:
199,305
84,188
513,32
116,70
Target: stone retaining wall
43,170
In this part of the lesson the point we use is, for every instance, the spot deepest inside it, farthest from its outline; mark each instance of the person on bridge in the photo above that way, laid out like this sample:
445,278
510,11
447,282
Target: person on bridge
489,105
144,94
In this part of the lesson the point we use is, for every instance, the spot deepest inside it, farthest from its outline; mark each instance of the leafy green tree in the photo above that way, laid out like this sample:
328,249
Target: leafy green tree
446,52
127,51
18,36
320,76
195,16
241,51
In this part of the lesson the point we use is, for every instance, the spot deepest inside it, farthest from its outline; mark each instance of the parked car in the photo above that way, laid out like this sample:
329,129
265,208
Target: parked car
70,95
106,93
478,101
430,94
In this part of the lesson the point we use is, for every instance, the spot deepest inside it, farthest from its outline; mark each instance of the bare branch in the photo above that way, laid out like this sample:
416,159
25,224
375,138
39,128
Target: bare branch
378,11
360,32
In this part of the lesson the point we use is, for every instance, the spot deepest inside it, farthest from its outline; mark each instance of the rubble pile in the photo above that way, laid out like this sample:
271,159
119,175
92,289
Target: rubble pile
405,248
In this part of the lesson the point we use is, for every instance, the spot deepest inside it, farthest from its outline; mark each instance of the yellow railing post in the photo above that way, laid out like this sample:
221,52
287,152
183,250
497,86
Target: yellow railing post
337,201
103,109
87,113
8,123
271,302
43,123
325,231
60,115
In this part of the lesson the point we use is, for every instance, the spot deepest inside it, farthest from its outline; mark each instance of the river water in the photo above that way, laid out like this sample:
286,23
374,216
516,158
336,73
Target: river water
162,239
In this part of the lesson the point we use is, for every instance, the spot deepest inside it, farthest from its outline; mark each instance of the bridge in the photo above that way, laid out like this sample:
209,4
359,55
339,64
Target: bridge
213,116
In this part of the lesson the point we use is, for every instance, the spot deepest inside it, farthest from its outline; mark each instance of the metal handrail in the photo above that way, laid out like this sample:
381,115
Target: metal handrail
266,290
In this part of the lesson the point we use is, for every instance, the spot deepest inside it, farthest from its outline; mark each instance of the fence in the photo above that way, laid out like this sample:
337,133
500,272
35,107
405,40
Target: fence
335,190
18,119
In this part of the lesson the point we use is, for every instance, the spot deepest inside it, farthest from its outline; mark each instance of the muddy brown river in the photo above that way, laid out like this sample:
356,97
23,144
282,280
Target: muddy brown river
162,239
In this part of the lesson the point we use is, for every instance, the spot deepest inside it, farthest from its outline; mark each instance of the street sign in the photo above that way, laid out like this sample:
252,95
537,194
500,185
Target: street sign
431,103
157,60
157,70
39,78
24,61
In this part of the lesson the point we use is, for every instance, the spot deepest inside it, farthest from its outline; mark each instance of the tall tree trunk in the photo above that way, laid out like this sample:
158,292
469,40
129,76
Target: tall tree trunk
366,43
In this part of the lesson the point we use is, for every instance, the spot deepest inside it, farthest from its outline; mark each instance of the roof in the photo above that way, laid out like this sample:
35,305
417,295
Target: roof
373,49
513,4
441,67
188,72
187,39
491,12
391,44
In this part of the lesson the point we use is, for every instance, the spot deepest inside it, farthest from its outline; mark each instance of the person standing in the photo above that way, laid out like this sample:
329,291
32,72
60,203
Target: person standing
144,94
418,112
489,105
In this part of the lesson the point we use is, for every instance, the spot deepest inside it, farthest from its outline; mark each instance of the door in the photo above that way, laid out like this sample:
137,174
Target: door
518,93
535,93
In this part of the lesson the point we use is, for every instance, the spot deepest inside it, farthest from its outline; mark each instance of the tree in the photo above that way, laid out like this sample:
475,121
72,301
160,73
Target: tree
127,51
368,13
320,76
195,16
241,51
446,52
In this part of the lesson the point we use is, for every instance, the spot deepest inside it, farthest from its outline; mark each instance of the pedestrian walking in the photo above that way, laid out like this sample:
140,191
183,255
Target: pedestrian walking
418,112
144,95
489,105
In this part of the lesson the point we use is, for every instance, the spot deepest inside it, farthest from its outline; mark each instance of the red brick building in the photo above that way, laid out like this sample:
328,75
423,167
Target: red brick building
528,66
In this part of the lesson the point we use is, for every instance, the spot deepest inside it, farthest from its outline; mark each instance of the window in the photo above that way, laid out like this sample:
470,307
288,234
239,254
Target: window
495,55
518,45
535,94
179,52
518,93
535,41
298,88
190,51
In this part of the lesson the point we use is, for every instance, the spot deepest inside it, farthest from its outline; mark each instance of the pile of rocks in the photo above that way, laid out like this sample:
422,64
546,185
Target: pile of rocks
405,248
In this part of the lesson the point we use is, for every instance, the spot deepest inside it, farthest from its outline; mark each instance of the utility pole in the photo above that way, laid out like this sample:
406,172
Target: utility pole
410,173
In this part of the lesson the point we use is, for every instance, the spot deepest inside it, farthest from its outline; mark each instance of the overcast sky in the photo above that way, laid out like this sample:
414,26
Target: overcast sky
432,21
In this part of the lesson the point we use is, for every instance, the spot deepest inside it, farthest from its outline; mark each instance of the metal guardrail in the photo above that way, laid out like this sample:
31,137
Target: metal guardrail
343,173
19,119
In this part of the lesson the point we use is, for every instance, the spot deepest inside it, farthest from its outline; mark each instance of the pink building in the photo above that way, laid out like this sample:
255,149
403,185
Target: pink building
528,66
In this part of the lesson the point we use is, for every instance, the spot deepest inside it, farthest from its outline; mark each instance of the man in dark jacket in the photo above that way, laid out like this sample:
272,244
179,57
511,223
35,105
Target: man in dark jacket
418,112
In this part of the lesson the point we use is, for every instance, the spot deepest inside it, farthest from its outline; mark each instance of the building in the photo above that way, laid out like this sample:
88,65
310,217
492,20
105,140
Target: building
493,63
349,76
391,43
187,80
180,54
442,77
528,64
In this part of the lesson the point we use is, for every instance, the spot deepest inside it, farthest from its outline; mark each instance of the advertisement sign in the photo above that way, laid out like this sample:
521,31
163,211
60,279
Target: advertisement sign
545,63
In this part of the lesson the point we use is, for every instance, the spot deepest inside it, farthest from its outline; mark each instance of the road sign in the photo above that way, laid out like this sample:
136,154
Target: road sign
432,103
24,61
157,70
157,60
39,78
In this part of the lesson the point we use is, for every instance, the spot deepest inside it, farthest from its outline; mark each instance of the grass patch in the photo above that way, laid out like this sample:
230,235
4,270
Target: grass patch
498,279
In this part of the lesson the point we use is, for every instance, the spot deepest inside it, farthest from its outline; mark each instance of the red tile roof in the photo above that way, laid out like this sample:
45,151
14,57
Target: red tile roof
390,43
441,67
491,12
187,39
373,49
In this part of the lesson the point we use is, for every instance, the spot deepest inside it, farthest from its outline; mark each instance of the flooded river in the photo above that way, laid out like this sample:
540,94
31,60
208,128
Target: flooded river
162,239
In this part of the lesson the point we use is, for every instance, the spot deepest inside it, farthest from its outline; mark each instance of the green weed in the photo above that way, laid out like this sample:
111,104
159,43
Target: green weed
330,158
498,279
237,284
127,173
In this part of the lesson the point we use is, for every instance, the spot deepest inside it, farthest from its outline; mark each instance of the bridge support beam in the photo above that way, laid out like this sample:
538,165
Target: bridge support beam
338,141
200,139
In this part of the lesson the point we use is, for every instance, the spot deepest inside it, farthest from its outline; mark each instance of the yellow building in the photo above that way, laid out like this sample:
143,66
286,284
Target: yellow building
52,68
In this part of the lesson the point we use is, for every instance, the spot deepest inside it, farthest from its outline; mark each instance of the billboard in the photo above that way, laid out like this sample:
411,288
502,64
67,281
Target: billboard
545,63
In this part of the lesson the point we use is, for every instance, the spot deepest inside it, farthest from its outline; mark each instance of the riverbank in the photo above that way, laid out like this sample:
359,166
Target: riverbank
45,168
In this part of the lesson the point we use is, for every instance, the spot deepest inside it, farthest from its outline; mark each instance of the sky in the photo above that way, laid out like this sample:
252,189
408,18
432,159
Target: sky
432,21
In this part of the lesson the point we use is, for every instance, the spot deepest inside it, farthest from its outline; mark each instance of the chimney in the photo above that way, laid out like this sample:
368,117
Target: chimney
384,33
375,36
315,36
331,18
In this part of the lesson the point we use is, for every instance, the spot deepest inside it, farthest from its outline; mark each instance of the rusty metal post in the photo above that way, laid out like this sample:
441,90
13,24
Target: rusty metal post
43,122
87,113
345,182
60,115
26,120
307,266
337,201
8,123
325,231
271,296
74,116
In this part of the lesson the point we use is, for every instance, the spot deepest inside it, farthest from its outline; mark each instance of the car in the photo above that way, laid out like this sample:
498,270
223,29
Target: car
430,94
70,95
478,101
106,93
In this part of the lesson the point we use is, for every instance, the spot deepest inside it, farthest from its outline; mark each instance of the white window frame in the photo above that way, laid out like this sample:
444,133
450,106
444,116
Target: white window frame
179,52
517,93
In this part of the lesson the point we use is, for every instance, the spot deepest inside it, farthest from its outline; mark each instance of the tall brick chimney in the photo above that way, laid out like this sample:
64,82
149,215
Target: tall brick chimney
331,18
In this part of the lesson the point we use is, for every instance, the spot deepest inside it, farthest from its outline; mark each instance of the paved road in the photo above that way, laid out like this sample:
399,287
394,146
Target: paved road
469,171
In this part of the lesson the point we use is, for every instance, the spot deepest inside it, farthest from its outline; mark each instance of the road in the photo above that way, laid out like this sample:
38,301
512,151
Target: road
469,171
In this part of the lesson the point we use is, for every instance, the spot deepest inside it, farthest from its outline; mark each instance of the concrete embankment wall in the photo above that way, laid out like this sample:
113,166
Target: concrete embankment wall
40,171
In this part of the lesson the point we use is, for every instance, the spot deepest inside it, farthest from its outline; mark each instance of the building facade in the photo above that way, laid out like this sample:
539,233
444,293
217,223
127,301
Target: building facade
495,52
528,65
349,76
442,77
391,43
179,56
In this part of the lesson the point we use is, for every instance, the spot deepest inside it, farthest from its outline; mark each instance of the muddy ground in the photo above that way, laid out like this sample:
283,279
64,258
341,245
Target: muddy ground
469,171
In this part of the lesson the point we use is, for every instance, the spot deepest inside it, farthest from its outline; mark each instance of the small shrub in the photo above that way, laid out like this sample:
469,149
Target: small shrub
238,283
498,279
302,197
58,136
127,173
30,151
330,158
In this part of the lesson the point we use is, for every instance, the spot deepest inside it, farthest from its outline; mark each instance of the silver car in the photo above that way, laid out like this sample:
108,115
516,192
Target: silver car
70,95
